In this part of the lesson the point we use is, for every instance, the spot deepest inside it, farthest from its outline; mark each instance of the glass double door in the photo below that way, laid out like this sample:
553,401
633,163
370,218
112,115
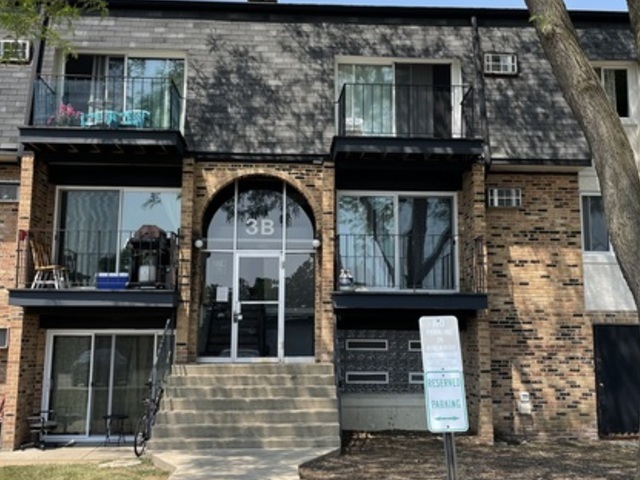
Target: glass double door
246,320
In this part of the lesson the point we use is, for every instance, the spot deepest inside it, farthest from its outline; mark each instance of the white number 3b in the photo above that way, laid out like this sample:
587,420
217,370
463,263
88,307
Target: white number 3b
262,227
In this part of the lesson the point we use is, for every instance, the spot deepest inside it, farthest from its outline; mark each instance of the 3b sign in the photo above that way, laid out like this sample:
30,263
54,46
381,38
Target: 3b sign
264,227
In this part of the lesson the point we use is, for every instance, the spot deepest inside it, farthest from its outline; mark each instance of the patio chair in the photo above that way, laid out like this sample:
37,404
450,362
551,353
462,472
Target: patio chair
135,118
47,273
40,425
100,118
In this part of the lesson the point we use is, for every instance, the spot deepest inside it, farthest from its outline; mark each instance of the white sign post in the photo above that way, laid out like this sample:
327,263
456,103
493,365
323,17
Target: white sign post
444,382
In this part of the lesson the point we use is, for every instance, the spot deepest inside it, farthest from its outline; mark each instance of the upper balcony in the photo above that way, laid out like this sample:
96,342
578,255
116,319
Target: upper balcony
379,121
111,115
82,268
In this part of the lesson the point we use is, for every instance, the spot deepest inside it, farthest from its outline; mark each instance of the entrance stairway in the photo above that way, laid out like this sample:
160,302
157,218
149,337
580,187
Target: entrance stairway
248,406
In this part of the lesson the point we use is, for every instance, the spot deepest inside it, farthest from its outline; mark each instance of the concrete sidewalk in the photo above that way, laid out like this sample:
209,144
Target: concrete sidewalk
222,464
229,464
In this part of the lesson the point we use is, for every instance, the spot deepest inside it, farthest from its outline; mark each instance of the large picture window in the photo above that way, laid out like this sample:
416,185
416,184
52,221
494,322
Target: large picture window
95,226
398,241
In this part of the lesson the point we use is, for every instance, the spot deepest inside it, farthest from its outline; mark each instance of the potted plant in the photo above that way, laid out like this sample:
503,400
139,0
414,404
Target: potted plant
66,116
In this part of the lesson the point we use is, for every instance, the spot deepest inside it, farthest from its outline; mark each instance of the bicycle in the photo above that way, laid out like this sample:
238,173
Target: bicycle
146,421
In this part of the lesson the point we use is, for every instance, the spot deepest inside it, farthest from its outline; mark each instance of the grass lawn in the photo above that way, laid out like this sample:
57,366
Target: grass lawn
83,471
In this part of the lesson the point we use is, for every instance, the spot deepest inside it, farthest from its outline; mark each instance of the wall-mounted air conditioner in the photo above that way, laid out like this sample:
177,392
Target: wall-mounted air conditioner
15,51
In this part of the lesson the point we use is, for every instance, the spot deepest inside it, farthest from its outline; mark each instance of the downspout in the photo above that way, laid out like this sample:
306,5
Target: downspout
36,69
480,88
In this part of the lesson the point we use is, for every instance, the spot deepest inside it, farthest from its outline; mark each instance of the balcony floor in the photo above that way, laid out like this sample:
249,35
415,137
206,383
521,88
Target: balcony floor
396,148
158,144
355,300
80,298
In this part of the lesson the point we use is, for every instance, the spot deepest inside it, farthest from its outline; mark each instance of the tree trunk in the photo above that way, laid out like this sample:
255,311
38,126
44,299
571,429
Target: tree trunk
612,154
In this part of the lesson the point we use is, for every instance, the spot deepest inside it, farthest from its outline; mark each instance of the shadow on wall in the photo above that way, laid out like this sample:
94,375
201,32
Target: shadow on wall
282,99
541,342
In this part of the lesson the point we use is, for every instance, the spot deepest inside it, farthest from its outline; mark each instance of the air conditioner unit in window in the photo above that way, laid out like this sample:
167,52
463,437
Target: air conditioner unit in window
15,51
4,337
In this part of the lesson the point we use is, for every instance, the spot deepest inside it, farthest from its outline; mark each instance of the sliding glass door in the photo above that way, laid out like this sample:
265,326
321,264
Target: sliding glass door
91,375
398,241
96,224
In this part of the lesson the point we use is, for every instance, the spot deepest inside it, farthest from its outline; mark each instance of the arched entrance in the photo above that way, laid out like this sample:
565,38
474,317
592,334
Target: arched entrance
259,275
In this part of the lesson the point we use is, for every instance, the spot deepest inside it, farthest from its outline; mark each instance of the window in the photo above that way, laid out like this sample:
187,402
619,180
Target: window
616,84
407,99
500,64
595,237
9,191
367,377
95,226
505,197
367,344
15,51
397,241
130,90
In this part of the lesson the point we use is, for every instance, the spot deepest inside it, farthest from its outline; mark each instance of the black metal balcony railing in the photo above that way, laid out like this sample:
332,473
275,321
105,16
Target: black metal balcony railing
102,259
423,111
106,102
410,262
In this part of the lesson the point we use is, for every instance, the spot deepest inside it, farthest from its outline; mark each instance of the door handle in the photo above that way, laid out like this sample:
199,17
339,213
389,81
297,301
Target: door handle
237,317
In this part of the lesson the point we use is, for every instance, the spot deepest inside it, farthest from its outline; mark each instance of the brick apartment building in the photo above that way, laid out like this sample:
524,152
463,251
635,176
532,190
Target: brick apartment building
226,165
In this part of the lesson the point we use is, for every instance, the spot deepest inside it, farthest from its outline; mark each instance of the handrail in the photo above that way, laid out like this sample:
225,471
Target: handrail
405,110
107,102
98,258
162,361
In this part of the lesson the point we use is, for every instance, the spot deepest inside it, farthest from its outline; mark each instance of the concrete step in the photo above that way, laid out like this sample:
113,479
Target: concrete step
279,379
248,406
246,417
256,369
191,444
254,391
230,430
223,404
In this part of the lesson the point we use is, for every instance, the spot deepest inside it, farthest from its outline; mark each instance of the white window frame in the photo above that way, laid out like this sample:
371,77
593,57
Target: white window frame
25,47
456,80
504,63
411,346
591,253
416,378
632,85
396,195
48,365
61,61
497,196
